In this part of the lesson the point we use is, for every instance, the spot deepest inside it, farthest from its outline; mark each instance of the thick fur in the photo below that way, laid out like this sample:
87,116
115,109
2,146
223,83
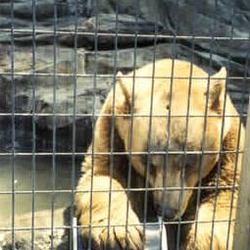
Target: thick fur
162,126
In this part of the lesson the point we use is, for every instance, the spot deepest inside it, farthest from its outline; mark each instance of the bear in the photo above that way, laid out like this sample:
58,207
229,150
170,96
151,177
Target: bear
167,142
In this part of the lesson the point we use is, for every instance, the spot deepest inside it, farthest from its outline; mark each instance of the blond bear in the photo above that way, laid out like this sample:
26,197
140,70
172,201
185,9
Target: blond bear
167,142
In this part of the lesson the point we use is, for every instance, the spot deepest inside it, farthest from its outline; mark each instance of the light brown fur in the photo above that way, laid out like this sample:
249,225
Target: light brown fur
144,105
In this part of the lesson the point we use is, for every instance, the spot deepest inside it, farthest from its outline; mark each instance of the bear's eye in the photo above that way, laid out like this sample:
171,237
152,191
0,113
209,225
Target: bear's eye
152,170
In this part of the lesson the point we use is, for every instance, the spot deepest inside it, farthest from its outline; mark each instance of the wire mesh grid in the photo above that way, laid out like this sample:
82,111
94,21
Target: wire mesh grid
42,173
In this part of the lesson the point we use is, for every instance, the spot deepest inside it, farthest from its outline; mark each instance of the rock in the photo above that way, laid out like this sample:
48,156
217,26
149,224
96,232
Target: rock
38,94
42,238
42,241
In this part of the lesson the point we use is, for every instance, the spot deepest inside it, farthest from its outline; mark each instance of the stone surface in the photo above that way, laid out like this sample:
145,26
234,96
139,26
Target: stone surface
43,239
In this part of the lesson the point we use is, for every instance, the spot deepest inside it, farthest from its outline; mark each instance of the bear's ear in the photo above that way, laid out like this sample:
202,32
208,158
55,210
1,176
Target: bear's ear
127,104
119,75
217,90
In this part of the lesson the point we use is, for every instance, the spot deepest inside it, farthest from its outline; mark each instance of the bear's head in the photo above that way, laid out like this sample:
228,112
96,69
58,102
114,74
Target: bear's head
172,123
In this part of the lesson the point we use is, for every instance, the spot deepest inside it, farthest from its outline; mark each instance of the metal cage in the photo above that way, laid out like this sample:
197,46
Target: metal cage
58,61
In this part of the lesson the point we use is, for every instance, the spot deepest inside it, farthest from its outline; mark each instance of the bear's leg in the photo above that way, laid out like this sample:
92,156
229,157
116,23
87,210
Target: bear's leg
106,216
207,232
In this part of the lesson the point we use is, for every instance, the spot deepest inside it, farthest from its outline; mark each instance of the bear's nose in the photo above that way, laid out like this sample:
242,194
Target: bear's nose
166,211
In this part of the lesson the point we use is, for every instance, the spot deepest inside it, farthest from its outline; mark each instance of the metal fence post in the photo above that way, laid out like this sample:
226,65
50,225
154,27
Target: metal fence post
242,225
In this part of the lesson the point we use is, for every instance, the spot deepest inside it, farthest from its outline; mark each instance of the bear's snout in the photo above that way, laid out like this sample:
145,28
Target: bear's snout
166,211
